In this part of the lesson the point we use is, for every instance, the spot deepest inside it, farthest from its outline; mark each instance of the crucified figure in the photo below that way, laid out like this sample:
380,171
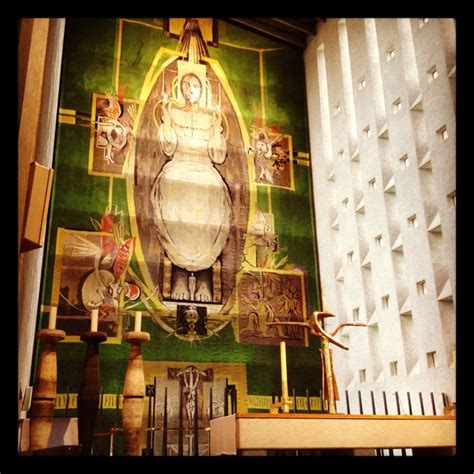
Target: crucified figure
315,325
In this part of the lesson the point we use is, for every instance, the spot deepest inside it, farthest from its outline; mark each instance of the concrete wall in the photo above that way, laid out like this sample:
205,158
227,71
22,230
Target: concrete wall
377,110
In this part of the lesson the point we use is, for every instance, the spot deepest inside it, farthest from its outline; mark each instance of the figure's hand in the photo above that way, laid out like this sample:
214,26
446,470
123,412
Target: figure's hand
217,118
166,109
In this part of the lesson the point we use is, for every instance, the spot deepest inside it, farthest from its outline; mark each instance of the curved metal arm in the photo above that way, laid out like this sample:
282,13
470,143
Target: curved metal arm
321,315
316,331
346,324
286,323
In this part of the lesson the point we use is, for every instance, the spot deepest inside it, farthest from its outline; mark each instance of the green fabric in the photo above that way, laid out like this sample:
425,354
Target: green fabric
88,67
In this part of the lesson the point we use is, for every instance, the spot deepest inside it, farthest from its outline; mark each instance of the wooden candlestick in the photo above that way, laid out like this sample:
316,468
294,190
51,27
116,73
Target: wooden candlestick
134,393
89,390
44,390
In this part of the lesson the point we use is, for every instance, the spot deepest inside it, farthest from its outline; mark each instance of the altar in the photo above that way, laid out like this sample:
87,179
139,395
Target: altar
230,435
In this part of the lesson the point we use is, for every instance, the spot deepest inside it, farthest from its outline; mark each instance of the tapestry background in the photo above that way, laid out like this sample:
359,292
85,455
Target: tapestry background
91,200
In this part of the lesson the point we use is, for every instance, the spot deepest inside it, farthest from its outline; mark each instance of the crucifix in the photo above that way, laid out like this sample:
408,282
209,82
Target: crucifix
315,325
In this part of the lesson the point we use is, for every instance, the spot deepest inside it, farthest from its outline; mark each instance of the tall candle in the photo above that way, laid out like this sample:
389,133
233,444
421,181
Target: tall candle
138,321
284,379
53,311
323,298
94,320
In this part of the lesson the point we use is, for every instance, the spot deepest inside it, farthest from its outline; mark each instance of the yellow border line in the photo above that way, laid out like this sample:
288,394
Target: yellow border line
111,192
292,171
57,266
262,86
67,119
263,402
142,23
269,50
118,54
91,139
257,402
249,48
66,111
301,162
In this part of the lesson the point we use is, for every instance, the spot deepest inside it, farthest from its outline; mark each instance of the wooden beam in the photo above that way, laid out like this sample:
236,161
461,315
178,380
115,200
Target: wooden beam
35,31
271,31
307,28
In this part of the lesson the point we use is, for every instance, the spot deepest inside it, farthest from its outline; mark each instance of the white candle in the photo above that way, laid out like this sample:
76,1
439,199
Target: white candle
138,321
53,311
284,377
94,320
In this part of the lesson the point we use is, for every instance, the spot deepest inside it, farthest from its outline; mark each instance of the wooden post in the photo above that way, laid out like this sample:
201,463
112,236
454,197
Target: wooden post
44,391
89,390
327,356
134,393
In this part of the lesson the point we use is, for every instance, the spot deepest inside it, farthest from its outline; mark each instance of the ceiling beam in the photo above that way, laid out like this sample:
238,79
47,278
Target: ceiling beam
272,31
307,28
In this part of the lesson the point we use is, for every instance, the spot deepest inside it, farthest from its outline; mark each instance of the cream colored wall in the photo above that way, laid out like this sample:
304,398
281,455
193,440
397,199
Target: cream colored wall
342,52
39,53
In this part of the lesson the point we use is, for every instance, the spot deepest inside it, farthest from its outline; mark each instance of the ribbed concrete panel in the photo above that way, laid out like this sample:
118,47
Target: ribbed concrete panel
387,194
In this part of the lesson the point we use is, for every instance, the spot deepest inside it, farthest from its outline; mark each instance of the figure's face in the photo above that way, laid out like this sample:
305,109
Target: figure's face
191,88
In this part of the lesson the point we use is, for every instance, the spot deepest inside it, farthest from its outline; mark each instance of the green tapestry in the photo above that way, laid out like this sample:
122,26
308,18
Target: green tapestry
182,190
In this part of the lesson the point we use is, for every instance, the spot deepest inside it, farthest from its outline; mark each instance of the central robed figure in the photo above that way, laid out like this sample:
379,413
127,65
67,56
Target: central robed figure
191,201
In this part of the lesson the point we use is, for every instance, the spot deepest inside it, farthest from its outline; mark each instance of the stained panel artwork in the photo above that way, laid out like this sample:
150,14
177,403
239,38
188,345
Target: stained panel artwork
111,134
271,297
91,273
273,157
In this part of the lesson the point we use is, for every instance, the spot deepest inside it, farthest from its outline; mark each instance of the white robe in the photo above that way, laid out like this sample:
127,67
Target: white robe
191,202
